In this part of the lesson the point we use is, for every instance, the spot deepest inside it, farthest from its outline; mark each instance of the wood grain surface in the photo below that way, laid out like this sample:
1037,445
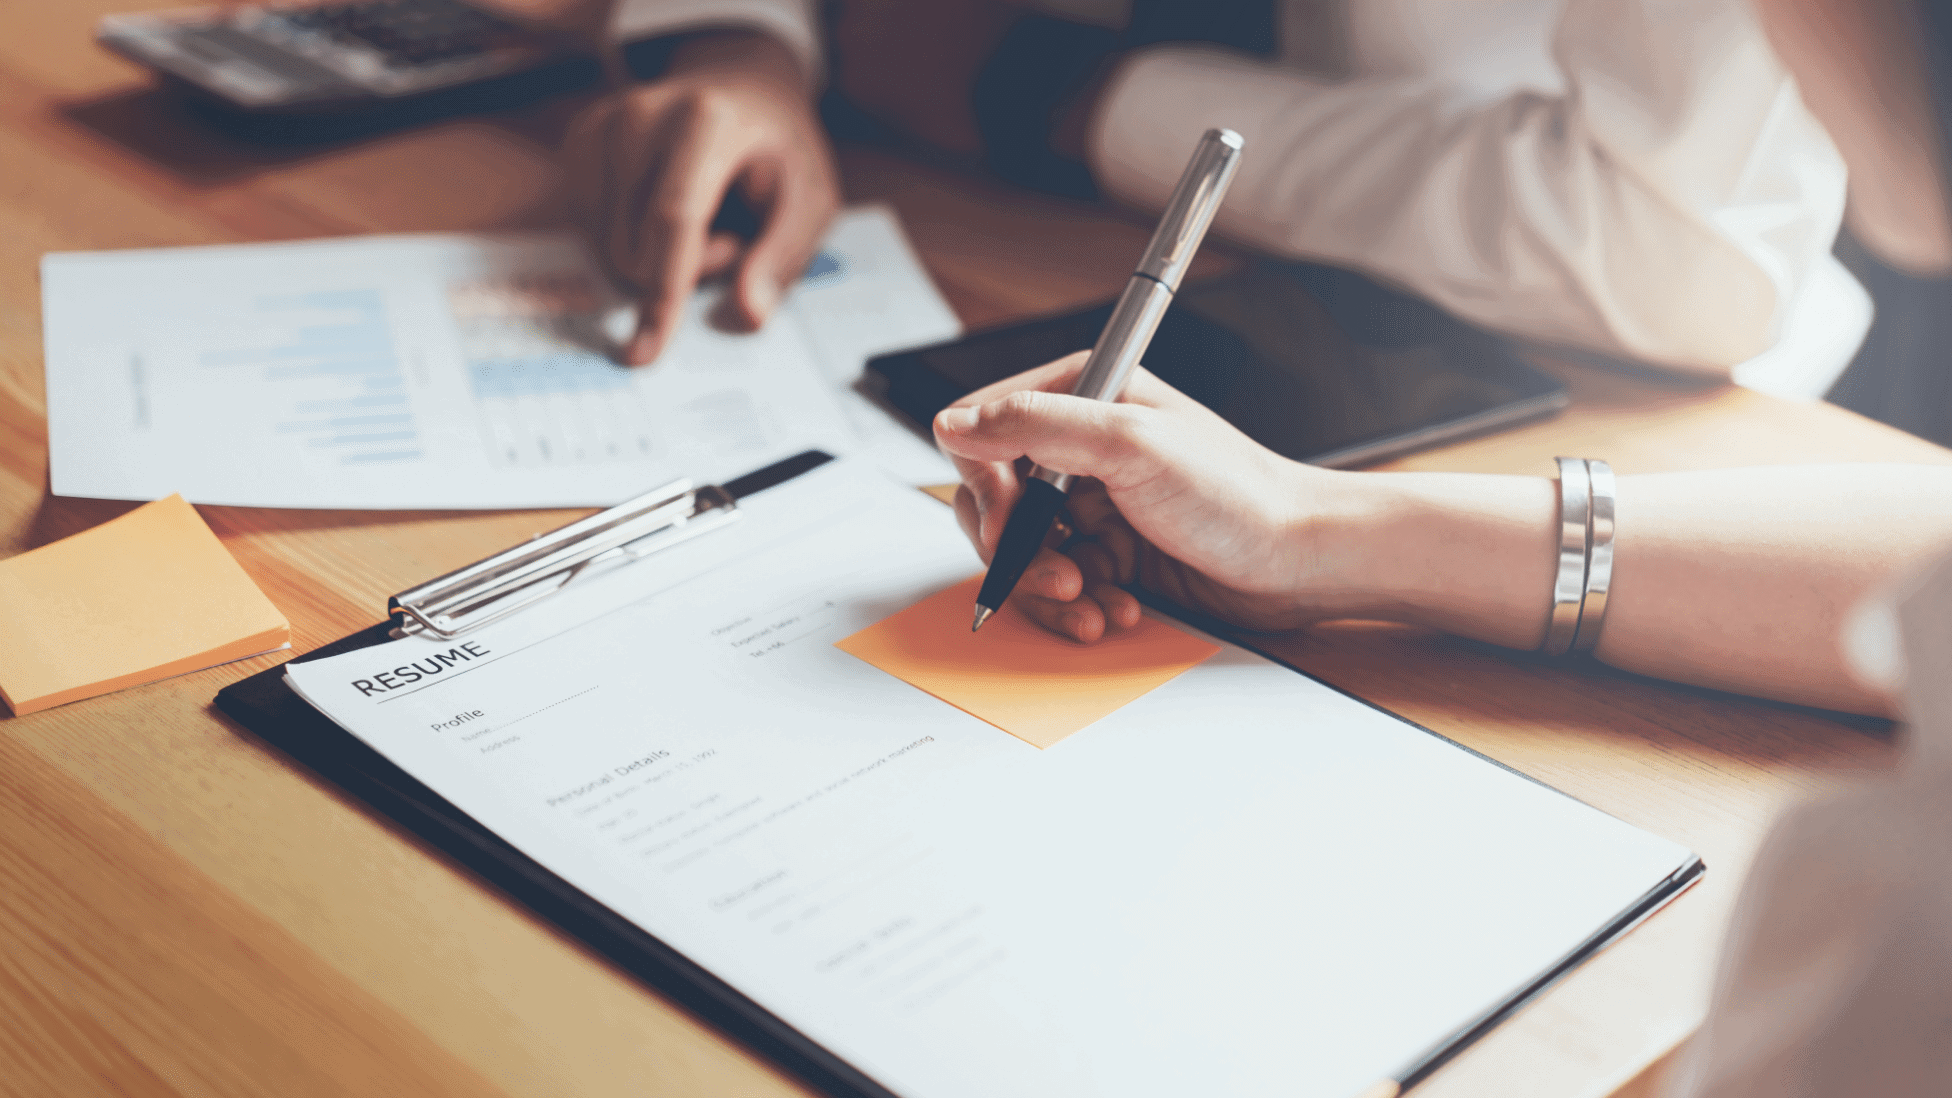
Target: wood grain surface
182,912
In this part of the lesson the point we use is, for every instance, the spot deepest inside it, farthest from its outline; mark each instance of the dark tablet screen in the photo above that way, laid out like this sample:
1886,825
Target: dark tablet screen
1316,364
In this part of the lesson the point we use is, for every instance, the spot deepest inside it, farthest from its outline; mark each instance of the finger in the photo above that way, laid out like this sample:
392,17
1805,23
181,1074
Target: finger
634,147
670,234
1061,376
994,483
797,211
1080,619
614,149
1049,572
1098,569
721,252
1062,373
1094,513
1052,575
1120,607
1054,594
992,489
1095,565
1060,432
970,518
584,147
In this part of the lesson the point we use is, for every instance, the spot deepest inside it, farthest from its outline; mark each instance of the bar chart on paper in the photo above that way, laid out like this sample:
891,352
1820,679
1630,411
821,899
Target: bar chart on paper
332,353
402,372
545,393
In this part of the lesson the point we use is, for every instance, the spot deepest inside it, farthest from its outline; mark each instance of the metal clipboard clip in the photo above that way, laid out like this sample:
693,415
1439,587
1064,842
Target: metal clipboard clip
513,580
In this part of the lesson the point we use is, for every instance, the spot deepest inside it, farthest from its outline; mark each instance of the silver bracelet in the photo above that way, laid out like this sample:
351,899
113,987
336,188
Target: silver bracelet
1575,533
1599,557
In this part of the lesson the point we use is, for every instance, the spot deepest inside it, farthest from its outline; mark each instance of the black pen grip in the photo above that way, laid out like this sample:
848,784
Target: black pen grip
1023,535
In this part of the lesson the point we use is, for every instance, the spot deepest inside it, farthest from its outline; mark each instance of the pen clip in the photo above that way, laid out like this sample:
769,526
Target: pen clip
1191,209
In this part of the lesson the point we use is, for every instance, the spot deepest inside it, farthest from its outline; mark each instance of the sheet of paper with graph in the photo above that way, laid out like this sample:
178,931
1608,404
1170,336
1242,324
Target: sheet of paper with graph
451,371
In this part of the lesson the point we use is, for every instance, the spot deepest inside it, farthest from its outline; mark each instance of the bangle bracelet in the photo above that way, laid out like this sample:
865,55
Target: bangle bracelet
1599,558
1575,526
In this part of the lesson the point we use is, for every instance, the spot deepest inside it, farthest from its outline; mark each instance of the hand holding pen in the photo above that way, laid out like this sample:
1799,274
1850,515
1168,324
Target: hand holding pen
1127,334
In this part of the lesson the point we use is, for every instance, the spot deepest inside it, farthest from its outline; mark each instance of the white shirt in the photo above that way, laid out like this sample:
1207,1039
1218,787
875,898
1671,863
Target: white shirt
1637,178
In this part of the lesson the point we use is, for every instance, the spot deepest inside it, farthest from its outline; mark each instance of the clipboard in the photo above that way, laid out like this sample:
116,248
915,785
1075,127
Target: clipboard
507,582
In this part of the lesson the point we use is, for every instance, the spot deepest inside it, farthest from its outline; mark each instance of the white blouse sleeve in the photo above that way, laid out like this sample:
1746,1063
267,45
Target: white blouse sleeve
790,21
1667,206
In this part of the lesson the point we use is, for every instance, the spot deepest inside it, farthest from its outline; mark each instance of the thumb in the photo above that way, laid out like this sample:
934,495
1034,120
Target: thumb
1063,433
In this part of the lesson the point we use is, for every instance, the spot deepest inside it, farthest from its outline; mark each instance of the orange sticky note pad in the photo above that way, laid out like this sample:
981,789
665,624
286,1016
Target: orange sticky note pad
1031,683
139,598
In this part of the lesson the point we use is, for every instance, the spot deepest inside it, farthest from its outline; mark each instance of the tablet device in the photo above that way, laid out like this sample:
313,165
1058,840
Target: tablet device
1317,364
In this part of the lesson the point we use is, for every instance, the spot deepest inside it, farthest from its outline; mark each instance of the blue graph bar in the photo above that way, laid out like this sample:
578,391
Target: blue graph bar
353,348
541,375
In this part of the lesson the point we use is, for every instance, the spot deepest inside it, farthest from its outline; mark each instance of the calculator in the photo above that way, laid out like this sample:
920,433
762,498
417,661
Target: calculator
301,74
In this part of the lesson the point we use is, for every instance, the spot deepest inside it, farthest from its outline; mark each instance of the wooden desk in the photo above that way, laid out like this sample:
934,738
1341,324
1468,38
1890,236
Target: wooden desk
182,912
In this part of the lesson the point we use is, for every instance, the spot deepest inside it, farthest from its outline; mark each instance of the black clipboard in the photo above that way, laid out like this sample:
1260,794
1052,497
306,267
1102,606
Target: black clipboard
267,706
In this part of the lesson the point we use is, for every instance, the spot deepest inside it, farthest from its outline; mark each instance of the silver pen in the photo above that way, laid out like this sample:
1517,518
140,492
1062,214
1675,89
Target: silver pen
1125,338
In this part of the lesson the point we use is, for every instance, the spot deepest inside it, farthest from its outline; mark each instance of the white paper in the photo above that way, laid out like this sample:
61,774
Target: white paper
1243,883
447,371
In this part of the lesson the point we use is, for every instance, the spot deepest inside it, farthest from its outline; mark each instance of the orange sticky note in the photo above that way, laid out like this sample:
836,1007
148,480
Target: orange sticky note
1033,684
139,598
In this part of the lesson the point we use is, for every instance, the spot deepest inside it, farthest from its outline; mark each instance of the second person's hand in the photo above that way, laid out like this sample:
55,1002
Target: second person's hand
1176,499
1173,499
650,165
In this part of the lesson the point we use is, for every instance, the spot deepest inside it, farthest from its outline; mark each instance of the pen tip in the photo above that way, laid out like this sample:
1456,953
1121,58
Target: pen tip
982,615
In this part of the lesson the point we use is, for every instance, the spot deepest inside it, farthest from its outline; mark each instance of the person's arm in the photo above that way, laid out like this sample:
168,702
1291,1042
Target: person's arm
1667,204
1737,579
649,166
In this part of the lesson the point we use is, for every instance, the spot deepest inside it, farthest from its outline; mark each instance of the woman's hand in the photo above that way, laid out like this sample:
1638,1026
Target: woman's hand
1738,579
650,165
1176,499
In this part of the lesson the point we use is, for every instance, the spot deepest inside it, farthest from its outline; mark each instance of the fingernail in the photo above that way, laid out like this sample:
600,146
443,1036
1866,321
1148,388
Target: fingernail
641,350
956,420
1073,622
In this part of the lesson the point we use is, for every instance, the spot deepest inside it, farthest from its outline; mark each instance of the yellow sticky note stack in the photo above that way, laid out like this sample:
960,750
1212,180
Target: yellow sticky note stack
139,598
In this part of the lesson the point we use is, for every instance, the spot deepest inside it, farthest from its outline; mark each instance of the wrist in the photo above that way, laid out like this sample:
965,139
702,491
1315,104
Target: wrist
1468,554
1339,523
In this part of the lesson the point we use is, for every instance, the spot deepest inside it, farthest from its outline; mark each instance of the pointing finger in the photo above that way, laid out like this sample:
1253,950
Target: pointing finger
797,211
670,236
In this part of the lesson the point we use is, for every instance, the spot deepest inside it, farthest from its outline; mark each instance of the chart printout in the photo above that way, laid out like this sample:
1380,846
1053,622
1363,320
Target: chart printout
1196,894
447,371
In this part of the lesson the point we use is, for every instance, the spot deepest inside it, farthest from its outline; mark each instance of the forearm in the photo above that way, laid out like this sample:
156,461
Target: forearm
1739,579
1743,579
1471,555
